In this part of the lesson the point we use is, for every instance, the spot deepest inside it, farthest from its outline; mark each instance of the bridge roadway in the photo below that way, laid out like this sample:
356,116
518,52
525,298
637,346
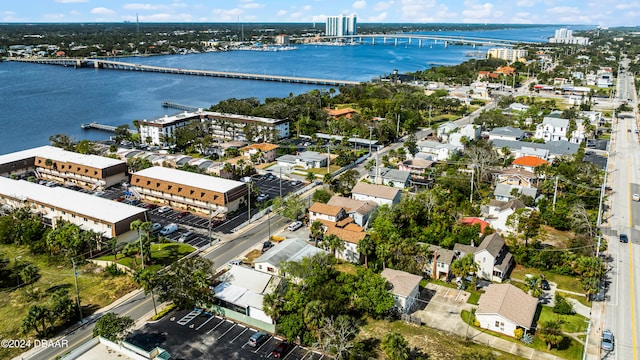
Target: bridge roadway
447,39
120,65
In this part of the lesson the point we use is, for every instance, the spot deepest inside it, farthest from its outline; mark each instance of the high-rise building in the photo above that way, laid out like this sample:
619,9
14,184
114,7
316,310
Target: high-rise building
341,25
565,36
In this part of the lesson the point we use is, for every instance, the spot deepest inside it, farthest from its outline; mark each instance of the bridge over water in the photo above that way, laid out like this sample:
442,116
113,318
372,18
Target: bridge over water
126,66
423,39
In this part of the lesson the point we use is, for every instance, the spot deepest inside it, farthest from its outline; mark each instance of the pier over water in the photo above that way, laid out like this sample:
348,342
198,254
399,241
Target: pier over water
126,66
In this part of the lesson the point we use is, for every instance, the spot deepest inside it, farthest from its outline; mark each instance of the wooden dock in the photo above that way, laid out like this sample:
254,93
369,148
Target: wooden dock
108,128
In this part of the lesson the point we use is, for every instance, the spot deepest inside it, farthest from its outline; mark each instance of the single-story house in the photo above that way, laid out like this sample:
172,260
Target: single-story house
504,308
555,148
438,151
306,160
391,177
503,192
405,288
506,133
528,162
241,291
445,129
515,176
287,250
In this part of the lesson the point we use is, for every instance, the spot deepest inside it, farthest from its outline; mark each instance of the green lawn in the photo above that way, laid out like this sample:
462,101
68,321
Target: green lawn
564,282
568,323
581,299
161,254
97,289
569,348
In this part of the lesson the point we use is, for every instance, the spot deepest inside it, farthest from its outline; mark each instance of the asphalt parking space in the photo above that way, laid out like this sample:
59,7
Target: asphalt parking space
188,334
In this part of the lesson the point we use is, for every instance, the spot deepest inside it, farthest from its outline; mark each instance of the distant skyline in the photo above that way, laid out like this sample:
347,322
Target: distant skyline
589,12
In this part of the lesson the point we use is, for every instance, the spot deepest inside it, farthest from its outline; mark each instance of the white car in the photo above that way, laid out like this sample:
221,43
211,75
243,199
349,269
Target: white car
294,225
164,209
635,197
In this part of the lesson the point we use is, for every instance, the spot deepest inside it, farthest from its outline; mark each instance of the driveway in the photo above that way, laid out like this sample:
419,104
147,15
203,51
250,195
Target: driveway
443,308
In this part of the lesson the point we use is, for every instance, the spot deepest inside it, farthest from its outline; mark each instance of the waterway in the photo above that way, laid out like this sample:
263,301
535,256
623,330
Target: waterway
37,101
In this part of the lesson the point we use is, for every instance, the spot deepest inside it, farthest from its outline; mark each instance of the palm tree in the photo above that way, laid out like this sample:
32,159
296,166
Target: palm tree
29,274
310,176
316,230
395,346
365,248
550,333
313,315
534,284
327,178
383,252
465,266
148,280
333,244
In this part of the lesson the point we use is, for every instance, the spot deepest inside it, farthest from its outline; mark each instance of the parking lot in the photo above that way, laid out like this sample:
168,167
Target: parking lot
198,240
198,335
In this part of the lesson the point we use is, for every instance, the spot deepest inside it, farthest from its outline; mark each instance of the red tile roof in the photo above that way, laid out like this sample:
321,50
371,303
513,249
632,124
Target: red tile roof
530,161
473,221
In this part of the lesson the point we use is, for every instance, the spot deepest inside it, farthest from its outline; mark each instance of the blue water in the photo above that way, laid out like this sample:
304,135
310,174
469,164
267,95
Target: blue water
37,101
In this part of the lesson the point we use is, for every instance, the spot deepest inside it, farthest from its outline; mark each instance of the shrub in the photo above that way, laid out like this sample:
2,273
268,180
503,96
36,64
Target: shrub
113,270
164,312
562,306
518,333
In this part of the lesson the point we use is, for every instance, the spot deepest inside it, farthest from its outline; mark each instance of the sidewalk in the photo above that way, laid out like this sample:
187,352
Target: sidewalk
445,316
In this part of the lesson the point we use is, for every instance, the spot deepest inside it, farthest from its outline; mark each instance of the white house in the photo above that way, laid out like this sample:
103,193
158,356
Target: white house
438,151
377,193
241,290
506,133
358,210
470,132
497,212
287,250
390,177
405,288
552,129
445,129
492,256
320,211
503,192
306,160
504,308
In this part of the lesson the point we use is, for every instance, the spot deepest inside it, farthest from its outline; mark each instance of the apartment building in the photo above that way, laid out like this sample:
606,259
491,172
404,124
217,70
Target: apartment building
65,167
191,191
107,217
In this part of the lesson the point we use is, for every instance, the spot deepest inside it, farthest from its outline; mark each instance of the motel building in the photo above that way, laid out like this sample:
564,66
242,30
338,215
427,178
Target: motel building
190,191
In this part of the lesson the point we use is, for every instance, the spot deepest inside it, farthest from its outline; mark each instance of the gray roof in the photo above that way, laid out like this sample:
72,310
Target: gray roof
503,205
535,151
492,243
361,207
505,190
395,175
556,122
444,256
449,125
464,249
428,144
402,282
288,250
504,261
507,131
373,190
555,147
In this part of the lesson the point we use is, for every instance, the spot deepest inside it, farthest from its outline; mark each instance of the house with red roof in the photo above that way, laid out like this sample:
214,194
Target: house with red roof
528,162
474,220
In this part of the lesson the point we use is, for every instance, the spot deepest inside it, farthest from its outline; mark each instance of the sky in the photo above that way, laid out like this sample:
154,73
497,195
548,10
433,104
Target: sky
606,13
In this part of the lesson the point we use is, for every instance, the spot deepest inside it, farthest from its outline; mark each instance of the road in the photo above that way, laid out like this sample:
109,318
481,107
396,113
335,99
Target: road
623,305
140,306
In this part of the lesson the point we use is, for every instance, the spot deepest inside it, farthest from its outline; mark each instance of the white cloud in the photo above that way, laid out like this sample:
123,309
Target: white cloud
306,8
564,10
103,11
74,13
360,4
54,17
252,5
379,6
525,3
281,13
226,14
378,18
474,12
71,1
625,6
140,7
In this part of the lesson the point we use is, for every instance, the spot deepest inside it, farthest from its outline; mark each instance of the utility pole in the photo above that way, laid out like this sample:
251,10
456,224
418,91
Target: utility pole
398,127
280,170
210,220
75,276
328,155
555,193
370,135
472,174
249,202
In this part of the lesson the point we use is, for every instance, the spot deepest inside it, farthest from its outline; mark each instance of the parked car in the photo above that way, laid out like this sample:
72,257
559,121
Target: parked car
635,197
150,206
262,197
624,238
607,340
236,262
294,225
544,284
183,214
266,246
257,339
164,209
156,227
169,229
186,236
281,350
294,182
